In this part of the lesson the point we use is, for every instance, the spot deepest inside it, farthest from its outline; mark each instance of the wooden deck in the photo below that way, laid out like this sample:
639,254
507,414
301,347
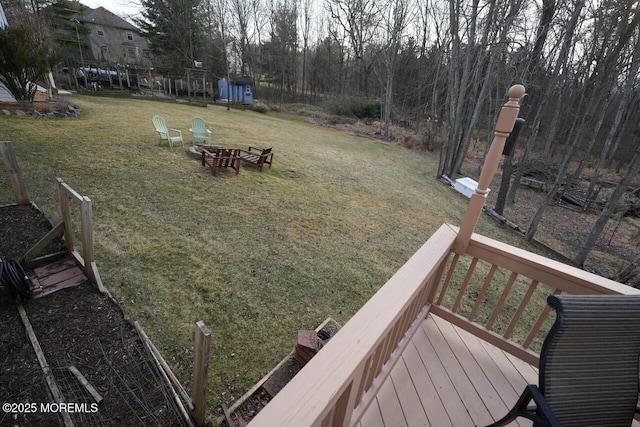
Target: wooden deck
449,377
400,361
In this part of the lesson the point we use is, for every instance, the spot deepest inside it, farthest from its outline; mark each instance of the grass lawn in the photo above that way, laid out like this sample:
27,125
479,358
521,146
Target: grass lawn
256,256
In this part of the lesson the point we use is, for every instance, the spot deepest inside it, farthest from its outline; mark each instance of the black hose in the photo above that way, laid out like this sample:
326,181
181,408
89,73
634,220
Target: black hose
12,275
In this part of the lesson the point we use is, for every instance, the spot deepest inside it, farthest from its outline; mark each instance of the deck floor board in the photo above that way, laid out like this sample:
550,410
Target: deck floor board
425,388
444,387
492,379
449,377
459,377
372,417
475,368
390,408
408,396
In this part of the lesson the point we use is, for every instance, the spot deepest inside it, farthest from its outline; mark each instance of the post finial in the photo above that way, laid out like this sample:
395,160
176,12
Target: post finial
516,92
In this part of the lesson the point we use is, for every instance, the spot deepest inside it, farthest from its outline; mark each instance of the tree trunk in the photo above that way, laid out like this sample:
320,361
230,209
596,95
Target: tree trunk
622,107
454,90
486,81
609,209
552,192
559,65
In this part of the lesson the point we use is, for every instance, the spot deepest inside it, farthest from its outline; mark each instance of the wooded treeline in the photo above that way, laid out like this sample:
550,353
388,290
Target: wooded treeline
443,68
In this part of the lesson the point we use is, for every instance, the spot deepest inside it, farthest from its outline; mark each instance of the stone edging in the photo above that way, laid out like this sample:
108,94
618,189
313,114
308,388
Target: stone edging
71,112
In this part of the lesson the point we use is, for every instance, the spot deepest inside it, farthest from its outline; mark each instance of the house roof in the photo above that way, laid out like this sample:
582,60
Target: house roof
101,16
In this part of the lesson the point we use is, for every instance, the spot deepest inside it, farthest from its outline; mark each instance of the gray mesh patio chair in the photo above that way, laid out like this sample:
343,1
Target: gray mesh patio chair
588,373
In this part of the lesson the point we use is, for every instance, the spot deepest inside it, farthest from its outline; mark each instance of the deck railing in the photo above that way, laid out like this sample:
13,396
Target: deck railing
339,383
498,292
491,289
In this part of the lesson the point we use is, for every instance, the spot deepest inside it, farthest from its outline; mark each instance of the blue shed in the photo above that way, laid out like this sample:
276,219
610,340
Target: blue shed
240,88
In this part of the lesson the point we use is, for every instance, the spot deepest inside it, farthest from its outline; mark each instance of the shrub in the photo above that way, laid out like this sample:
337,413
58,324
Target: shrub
337,107
366,109
259,107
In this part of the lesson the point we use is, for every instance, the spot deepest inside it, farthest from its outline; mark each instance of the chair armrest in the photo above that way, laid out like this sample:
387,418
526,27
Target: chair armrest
540,414
251,147
542,405
208,131
178,131
255,153
208,153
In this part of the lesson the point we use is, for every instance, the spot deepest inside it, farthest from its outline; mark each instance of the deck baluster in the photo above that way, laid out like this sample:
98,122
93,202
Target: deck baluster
503,298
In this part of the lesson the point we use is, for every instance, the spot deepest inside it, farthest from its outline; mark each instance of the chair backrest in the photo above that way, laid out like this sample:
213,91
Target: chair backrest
263,156
198,125
589,360
159,124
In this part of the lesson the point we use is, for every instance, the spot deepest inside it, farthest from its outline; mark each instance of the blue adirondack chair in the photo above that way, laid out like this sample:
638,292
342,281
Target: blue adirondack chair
165,133
199,131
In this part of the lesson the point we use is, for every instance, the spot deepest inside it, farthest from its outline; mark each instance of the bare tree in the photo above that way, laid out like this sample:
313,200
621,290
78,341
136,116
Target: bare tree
281,51
359,20
305,29
394,16
623,104
486,69
219,11
242,10
559,65
609,208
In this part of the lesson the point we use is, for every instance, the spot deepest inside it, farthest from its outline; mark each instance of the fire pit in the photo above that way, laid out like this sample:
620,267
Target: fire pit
195,151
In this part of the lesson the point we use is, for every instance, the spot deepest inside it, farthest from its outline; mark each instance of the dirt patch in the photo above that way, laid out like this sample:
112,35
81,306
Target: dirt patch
75,327
565,229
21,227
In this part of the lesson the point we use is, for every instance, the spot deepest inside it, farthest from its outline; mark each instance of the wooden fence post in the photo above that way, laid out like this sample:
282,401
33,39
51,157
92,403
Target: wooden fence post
65,212
14,173
88,254
504,125
86,224
200,372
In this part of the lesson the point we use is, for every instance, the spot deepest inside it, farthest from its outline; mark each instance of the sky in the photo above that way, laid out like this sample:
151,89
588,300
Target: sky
123,8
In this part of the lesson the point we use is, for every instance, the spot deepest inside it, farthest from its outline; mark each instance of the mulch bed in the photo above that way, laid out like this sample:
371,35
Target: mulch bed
79,327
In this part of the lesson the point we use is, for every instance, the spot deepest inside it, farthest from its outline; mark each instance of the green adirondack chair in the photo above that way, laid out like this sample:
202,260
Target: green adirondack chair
199,131
165,133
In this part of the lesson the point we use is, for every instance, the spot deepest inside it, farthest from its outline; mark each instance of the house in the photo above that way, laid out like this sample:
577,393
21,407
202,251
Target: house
5,96
239,90
112,40
445,342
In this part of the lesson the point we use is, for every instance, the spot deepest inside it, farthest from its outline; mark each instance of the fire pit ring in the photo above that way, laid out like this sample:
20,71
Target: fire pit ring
195,151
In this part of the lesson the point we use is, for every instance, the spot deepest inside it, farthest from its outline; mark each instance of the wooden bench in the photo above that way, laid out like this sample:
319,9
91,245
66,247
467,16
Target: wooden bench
221,158
257,156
